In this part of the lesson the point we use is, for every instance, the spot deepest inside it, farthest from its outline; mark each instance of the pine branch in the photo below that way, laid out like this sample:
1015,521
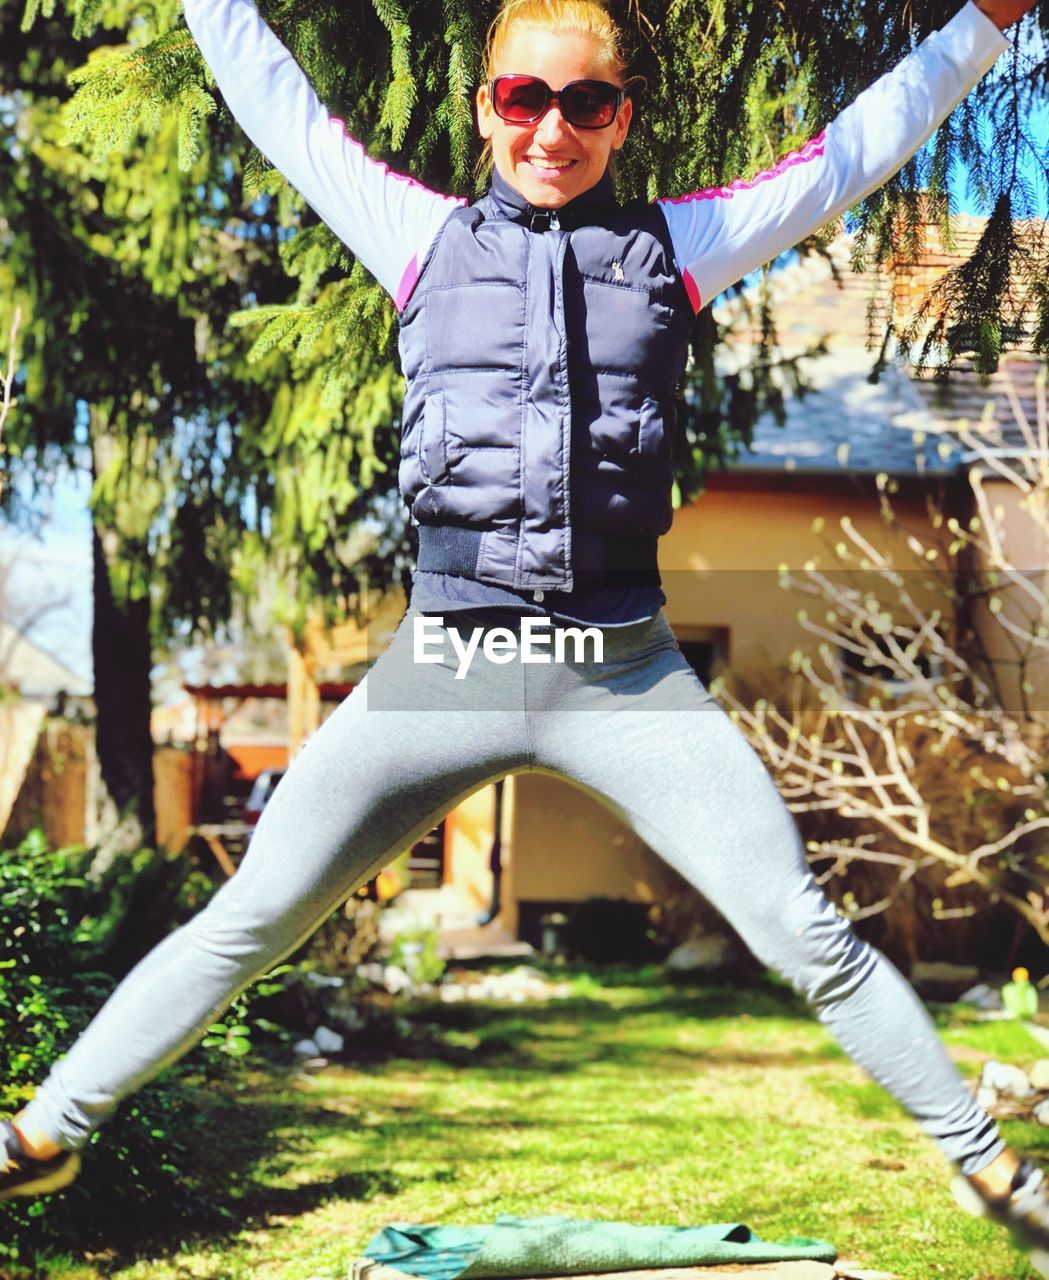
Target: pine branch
7,383
122,94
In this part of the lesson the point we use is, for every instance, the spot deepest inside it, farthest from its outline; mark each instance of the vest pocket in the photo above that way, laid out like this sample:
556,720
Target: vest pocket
652,445
433,458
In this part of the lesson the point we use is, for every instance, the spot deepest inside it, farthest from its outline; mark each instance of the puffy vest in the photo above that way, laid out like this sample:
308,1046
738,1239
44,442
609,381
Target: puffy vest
541,351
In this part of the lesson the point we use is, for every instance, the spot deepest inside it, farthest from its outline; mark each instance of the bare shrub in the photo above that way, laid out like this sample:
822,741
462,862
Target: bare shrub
913,749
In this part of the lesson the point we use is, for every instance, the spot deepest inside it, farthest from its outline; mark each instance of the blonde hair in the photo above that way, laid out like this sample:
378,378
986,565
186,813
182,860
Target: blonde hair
583,17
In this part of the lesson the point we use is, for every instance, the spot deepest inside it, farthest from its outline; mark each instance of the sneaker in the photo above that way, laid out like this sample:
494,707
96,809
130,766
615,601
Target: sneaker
1024,1212
21,1175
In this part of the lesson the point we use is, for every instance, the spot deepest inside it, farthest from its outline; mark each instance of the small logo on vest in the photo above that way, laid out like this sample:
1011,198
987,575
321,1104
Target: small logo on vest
617,271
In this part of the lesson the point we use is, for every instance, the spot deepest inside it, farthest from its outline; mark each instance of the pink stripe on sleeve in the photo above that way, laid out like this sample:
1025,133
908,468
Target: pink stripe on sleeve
812,150
380,164
692,289
408,282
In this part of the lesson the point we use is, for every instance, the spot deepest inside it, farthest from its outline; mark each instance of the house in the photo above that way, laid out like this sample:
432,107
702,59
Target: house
34,674
720,562
33,685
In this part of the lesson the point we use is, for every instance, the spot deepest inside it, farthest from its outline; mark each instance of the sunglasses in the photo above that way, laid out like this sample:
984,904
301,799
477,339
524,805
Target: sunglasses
587,104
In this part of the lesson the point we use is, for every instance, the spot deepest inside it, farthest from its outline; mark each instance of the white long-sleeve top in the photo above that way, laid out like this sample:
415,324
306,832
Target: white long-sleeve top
719,234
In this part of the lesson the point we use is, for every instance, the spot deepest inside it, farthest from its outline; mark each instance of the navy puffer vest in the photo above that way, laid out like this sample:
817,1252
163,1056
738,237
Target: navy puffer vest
541,353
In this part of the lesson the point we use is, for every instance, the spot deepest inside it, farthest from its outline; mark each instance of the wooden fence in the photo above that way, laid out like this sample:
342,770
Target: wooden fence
60,788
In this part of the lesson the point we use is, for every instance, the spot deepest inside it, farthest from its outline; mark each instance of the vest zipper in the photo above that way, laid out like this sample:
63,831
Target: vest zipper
542,221
555,225
566,429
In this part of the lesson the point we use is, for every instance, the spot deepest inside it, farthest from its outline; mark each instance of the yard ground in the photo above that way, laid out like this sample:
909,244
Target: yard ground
635,1099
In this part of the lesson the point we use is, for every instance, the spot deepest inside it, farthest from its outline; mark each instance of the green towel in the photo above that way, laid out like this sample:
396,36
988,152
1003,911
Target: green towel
555,1245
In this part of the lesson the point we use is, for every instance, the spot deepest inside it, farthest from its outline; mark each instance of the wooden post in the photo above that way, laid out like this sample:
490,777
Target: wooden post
311,717
304,698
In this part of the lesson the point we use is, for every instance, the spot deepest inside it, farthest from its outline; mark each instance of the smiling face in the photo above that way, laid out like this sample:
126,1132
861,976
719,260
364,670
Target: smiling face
550,162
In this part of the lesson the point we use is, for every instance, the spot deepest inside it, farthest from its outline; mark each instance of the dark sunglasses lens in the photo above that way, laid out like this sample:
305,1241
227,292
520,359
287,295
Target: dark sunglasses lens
520,97
590,104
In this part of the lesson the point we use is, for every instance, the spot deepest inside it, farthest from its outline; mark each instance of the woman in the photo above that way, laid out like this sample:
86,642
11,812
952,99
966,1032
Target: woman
542,332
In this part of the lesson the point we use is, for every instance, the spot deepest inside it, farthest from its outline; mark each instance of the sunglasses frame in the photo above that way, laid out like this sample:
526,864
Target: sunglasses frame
553,95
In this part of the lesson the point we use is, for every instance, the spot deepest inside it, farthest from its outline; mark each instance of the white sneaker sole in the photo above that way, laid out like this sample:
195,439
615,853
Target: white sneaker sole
969,1199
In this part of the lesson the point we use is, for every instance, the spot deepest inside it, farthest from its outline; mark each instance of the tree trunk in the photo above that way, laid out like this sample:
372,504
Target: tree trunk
122,650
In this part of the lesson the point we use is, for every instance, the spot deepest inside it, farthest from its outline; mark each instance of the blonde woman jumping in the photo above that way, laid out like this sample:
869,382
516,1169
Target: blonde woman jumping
543,329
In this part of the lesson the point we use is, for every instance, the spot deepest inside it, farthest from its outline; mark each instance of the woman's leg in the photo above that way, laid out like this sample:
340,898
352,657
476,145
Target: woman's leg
408,743
645,737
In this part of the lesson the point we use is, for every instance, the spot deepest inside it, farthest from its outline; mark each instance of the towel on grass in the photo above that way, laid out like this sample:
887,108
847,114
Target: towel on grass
555,1245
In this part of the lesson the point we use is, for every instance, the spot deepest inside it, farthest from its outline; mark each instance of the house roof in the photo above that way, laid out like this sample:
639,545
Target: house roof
846,424
33,672
259,717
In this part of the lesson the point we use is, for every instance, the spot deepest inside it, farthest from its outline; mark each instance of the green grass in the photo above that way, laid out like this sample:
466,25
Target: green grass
635,1100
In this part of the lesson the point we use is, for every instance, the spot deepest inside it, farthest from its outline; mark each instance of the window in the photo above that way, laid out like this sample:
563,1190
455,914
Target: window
705,650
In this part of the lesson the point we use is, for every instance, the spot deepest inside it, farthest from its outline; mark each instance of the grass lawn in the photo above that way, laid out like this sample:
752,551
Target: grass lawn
636,1099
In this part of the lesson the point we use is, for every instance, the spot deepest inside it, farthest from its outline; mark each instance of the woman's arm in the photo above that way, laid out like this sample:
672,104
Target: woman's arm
722,233
386,219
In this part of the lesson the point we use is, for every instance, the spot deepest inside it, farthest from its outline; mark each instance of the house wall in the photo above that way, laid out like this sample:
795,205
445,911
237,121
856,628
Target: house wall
1024,546
569,846
719,564
508,912
468,834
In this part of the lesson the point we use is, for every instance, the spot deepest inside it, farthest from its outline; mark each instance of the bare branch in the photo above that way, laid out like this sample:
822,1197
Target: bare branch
893,710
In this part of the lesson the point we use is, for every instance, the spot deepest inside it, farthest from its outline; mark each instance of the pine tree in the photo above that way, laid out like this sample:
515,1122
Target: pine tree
724,89
119,375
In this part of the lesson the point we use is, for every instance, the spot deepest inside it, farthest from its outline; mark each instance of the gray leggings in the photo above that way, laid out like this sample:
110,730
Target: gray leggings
638,731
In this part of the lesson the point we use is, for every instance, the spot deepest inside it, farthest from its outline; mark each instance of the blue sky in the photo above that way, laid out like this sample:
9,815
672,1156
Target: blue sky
1034,169
1030,51
59,567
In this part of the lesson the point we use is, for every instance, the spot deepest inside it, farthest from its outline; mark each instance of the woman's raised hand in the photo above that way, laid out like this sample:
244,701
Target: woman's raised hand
1003,13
